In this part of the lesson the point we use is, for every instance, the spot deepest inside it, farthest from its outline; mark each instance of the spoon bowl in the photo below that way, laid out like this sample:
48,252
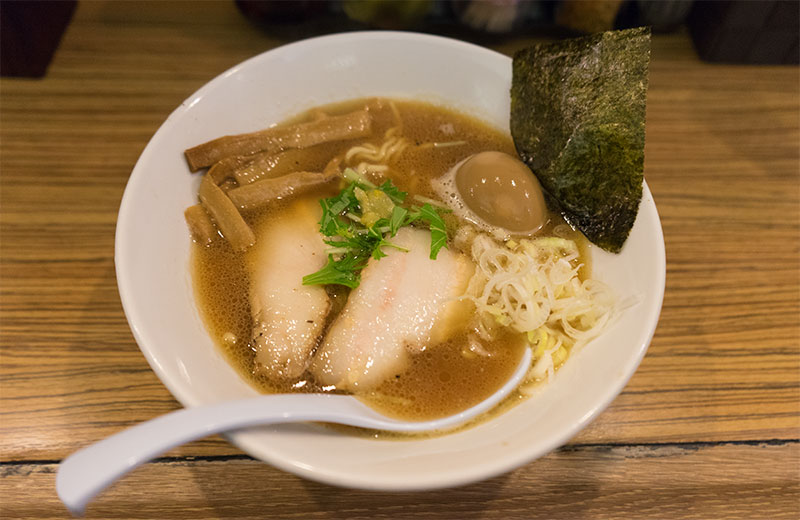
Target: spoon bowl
87,472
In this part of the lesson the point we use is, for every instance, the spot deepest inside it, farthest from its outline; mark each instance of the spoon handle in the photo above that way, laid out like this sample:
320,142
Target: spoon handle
87,472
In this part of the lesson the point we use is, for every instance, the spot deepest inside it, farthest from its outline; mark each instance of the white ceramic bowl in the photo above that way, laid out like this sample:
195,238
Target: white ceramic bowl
152,261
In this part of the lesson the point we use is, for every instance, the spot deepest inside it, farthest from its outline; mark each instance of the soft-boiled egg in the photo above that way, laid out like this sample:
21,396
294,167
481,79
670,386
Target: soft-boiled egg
496,192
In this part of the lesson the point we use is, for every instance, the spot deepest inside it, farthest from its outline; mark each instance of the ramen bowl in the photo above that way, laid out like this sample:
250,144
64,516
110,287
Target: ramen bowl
153,265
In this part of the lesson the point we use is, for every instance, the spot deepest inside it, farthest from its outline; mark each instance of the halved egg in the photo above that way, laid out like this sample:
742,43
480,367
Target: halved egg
496,192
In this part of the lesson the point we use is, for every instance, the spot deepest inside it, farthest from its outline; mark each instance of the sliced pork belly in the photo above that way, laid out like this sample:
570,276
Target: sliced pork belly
405,301
288,315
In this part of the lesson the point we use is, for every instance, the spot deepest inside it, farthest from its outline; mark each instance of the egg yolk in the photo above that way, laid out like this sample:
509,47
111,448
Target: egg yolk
502,191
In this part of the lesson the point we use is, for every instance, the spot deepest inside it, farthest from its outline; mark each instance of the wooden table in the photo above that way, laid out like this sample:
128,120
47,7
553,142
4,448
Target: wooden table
707,428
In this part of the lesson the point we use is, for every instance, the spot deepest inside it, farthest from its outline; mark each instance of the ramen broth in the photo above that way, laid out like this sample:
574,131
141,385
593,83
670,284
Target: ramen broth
442,379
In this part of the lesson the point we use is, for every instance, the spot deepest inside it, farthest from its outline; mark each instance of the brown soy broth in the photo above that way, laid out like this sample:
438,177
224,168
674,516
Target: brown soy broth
221,288
442,379
447,379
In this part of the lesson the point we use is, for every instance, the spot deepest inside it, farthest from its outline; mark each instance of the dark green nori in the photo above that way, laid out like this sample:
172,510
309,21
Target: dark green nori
577,120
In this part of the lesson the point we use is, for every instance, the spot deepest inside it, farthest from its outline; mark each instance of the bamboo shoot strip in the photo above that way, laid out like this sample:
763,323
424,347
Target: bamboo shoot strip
200,225
265,191
333,167
347,126
246,169
230,222
225,168
269,165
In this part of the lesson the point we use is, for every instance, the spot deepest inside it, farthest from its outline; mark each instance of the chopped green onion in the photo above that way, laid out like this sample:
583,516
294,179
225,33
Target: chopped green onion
427,200
353,176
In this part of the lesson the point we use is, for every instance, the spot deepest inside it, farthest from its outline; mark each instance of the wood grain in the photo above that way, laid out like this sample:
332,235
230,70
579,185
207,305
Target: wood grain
653,482
723,370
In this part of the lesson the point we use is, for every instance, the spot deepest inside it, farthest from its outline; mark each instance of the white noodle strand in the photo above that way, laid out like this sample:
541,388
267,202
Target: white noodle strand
535,289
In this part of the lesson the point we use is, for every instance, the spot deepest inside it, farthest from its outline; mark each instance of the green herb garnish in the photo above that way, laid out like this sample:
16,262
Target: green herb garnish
438,232
344,271
360,221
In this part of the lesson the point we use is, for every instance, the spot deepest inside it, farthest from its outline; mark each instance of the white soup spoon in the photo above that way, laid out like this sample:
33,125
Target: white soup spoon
88,471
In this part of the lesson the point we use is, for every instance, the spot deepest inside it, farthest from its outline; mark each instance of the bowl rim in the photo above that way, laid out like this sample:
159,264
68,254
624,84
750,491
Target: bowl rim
343,478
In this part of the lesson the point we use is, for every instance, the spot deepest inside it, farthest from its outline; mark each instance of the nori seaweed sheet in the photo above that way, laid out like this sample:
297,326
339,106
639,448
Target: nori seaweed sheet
577,120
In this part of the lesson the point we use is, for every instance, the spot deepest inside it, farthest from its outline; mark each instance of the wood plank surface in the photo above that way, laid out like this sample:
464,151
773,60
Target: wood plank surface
723,370
653,482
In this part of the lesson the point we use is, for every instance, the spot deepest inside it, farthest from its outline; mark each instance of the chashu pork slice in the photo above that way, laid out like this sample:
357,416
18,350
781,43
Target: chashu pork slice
288,316
405,302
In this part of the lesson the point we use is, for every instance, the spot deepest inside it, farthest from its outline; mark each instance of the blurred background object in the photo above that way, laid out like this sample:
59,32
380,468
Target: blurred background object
731,31
397,14
29,34
746,31
493,16
292,20
587,17
734,31
662,16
